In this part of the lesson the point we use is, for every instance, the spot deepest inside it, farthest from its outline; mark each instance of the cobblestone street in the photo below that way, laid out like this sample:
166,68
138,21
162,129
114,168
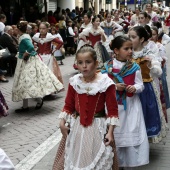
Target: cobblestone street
31,139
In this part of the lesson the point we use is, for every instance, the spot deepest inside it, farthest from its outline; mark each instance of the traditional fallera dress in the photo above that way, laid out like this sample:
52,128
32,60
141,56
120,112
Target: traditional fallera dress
32,79
45,51
3,106
94,39
108,28
131,138
81,42
85,148
165,100
156,126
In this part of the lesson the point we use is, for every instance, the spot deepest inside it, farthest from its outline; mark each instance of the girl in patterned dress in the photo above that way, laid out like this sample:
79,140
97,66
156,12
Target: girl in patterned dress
32,79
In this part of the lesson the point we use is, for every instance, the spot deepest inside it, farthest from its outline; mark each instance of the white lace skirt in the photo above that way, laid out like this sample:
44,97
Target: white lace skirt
33,79
85,149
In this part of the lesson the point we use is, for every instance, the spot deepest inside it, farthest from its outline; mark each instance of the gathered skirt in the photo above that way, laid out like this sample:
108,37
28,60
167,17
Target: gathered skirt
33,79
150,110
165,88
131,139
84,148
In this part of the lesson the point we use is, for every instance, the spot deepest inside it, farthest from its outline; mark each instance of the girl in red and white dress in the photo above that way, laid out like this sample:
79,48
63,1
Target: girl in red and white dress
44,42
90,124
95,36
87,24
111,29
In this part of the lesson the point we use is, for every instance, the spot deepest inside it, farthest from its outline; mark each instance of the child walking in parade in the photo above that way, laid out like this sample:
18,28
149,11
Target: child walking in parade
44,41
150,99
32,79
131,138
91,126
162,53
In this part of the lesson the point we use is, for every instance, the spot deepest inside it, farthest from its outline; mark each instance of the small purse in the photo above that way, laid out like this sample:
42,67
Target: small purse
5,53
62,50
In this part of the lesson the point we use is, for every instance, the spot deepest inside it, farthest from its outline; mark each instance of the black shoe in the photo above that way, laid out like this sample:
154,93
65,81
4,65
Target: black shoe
39,105
61,63
4,80
22,110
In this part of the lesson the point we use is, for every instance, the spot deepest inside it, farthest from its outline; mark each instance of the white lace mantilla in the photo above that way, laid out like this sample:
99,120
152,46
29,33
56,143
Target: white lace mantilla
144,52
24,36
100,85
49,37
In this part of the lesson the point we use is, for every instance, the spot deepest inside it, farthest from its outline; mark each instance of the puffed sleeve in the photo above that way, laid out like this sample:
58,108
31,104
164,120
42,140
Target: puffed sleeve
85,33
29,46
112,106
58,43
69,106
138,82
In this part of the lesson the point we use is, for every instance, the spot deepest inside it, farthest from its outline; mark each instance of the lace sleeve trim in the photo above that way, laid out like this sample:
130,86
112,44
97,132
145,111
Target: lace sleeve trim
64,115
113,121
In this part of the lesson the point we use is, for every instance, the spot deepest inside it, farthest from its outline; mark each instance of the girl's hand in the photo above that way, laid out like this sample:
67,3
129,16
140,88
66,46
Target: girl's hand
120,86
130,89
26,56
64,130
113,32
109,139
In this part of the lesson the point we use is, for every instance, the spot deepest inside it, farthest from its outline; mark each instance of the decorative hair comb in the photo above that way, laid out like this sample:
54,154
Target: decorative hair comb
87,45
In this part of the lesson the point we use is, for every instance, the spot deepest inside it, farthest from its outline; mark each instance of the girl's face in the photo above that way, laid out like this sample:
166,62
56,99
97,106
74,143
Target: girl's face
142,20
136,41
43,29
96,23
86,64
70,24
109,18
53,31
86,19
148,7
154,36
116,14
35,29
125,52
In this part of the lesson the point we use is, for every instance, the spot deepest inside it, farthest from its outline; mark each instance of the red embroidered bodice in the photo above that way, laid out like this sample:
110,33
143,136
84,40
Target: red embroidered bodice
45,48
94,38
88,105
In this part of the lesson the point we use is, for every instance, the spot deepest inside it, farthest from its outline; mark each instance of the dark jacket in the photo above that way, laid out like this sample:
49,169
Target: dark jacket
7,42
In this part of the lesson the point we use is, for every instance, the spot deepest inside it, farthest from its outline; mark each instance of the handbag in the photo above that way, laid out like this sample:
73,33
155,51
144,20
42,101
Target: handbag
5,53
62,50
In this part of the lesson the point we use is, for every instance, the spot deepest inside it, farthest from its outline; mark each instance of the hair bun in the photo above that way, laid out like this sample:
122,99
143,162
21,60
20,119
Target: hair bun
22,26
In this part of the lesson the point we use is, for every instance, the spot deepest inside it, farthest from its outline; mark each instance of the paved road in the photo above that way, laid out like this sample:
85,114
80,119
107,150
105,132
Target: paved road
31,139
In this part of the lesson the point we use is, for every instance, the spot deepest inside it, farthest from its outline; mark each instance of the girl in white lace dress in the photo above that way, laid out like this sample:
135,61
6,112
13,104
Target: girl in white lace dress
91,127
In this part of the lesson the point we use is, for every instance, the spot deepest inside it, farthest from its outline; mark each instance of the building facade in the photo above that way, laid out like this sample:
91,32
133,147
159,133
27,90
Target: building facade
63,4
